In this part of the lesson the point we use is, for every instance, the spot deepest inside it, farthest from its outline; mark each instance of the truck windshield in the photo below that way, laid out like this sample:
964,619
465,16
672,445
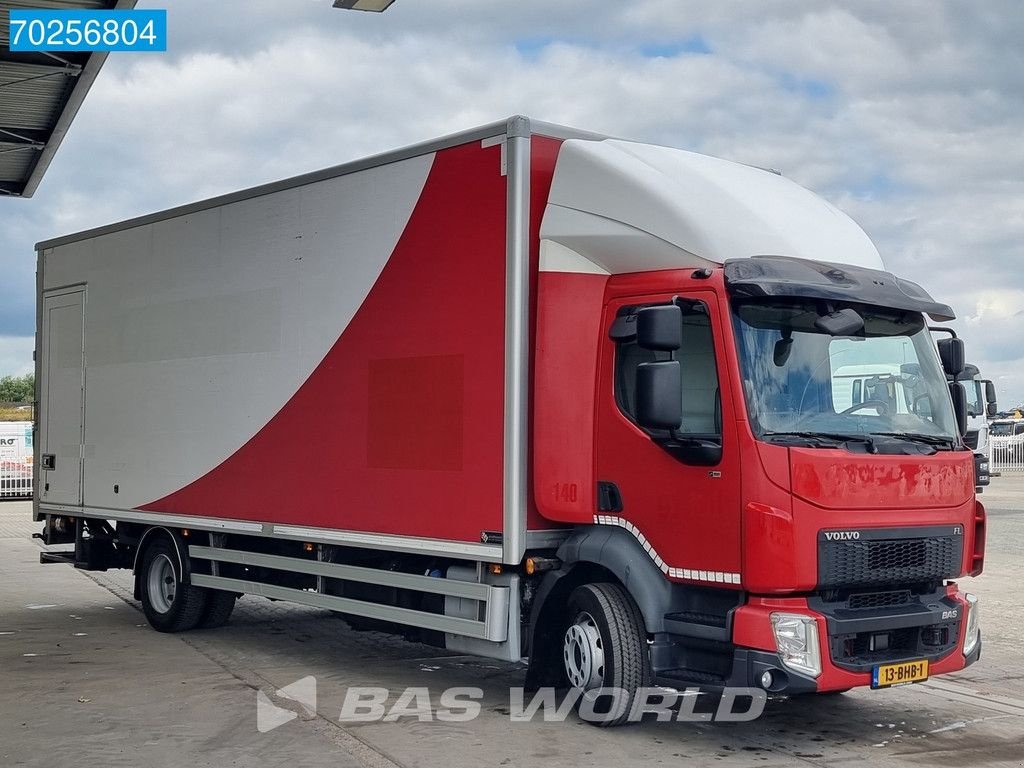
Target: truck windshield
885,380
975,398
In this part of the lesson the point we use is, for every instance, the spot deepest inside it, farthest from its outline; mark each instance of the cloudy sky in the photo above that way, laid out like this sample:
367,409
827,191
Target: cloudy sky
908,115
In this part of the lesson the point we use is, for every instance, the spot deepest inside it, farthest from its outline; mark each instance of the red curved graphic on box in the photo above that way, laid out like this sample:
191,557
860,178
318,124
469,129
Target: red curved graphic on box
400,428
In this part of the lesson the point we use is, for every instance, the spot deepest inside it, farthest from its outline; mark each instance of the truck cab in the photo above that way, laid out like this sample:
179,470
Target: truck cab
778,471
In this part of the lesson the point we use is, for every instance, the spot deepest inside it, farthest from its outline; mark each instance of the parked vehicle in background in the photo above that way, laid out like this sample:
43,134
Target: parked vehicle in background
15,459
523,392
1007,439
1005,431
981,406
897,386
980,403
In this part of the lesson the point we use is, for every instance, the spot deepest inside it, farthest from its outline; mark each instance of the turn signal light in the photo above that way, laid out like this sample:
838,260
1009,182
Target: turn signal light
534,565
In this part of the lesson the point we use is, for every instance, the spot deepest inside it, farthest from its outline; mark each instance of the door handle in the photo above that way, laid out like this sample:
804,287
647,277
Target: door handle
609,499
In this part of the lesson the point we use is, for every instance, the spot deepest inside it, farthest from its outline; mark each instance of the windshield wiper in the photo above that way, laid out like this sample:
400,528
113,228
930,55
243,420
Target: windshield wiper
836,437
917,437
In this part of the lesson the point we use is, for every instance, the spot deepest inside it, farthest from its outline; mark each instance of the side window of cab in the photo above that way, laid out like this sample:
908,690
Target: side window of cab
699,391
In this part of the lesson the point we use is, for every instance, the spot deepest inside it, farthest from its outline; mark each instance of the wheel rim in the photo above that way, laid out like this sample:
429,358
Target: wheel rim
583,653
162,583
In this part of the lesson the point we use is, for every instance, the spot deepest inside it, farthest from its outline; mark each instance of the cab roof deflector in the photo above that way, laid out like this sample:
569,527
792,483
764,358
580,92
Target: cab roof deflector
801,278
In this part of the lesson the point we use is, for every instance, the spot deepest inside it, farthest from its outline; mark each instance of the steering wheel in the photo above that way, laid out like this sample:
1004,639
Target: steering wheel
880,406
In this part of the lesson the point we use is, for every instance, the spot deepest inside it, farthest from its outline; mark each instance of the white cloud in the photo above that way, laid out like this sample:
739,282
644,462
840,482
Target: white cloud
908,115
16,355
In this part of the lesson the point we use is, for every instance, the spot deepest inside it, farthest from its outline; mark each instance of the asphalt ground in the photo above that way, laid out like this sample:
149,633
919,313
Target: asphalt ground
86,682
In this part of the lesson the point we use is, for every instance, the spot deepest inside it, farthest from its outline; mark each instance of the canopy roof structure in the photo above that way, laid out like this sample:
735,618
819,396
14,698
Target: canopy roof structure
40,94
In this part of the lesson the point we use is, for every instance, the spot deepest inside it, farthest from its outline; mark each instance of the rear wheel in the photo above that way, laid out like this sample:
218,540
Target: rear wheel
605,647
219,605
169,604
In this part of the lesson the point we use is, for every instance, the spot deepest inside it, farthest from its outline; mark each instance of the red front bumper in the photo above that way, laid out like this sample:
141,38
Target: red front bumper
752,629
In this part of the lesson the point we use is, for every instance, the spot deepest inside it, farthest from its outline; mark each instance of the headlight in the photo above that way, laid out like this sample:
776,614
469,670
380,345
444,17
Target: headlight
796,638
973,634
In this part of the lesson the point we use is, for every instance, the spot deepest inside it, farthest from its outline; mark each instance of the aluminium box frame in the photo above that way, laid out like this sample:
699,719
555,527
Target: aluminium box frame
514,134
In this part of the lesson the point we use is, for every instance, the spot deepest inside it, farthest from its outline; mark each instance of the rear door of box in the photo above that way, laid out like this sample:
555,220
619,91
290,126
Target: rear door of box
62,394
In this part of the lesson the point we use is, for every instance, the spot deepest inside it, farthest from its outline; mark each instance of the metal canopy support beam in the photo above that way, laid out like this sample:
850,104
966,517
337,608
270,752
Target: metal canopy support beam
364,5
22,137
54,63
6,147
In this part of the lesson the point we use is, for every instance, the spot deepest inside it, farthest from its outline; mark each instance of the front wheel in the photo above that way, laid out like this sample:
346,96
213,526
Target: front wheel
169,604
605,647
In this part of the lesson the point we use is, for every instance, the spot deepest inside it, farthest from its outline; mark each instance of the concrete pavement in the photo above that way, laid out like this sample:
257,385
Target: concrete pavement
103,689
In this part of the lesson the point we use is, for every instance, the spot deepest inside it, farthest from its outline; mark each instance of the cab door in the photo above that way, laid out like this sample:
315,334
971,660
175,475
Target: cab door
683,503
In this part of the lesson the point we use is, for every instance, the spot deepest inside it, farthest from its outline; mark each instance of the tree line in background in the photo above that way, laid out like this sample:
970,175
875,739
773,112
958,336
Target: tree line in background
18,389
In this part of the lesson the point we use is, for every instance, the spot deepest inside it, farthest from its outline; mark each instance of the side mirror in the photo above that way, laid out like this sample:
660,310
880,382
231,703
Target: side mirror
660,328
959,397
991,410
951,352
990,392
659,402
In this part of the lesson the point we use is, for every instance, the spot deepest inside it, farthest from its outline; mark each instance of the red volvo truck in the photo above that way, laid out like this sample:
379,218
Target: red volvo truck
525,392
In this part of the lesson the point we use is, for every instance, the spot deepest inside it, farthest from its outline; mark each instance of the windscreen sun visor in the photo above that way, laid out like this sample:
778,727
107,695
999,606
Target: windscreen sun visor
762,276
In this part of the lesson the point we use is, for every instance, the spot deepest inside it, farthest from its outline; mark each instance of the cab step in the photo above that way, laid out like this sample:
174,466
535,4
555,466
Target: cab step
705,626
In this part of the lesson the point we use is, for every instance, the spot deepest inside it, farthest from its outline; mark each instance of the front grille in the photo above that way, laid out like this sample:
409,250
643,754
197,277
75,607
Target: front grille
868,600
880,557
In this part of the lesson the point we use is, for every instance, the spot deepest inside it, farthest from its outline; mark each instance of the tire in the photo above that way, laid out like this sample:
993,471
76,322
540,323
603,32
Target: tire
169,605
606,626
219,605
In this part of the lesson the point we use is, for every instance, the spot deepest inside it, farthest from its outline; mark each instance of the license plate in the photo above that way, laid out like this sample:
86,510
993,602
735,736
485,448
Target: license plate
888,675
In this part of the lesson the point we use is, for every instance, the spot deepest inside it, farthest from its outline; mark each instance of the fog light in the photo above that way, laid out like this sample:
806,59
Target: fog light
767,678
973,633
796,638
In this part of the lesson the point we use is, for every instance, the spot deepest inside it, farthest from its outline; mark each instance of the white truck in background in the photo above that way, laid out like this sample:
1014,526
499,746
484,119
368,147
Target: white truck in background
980,396
865,384
981,406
